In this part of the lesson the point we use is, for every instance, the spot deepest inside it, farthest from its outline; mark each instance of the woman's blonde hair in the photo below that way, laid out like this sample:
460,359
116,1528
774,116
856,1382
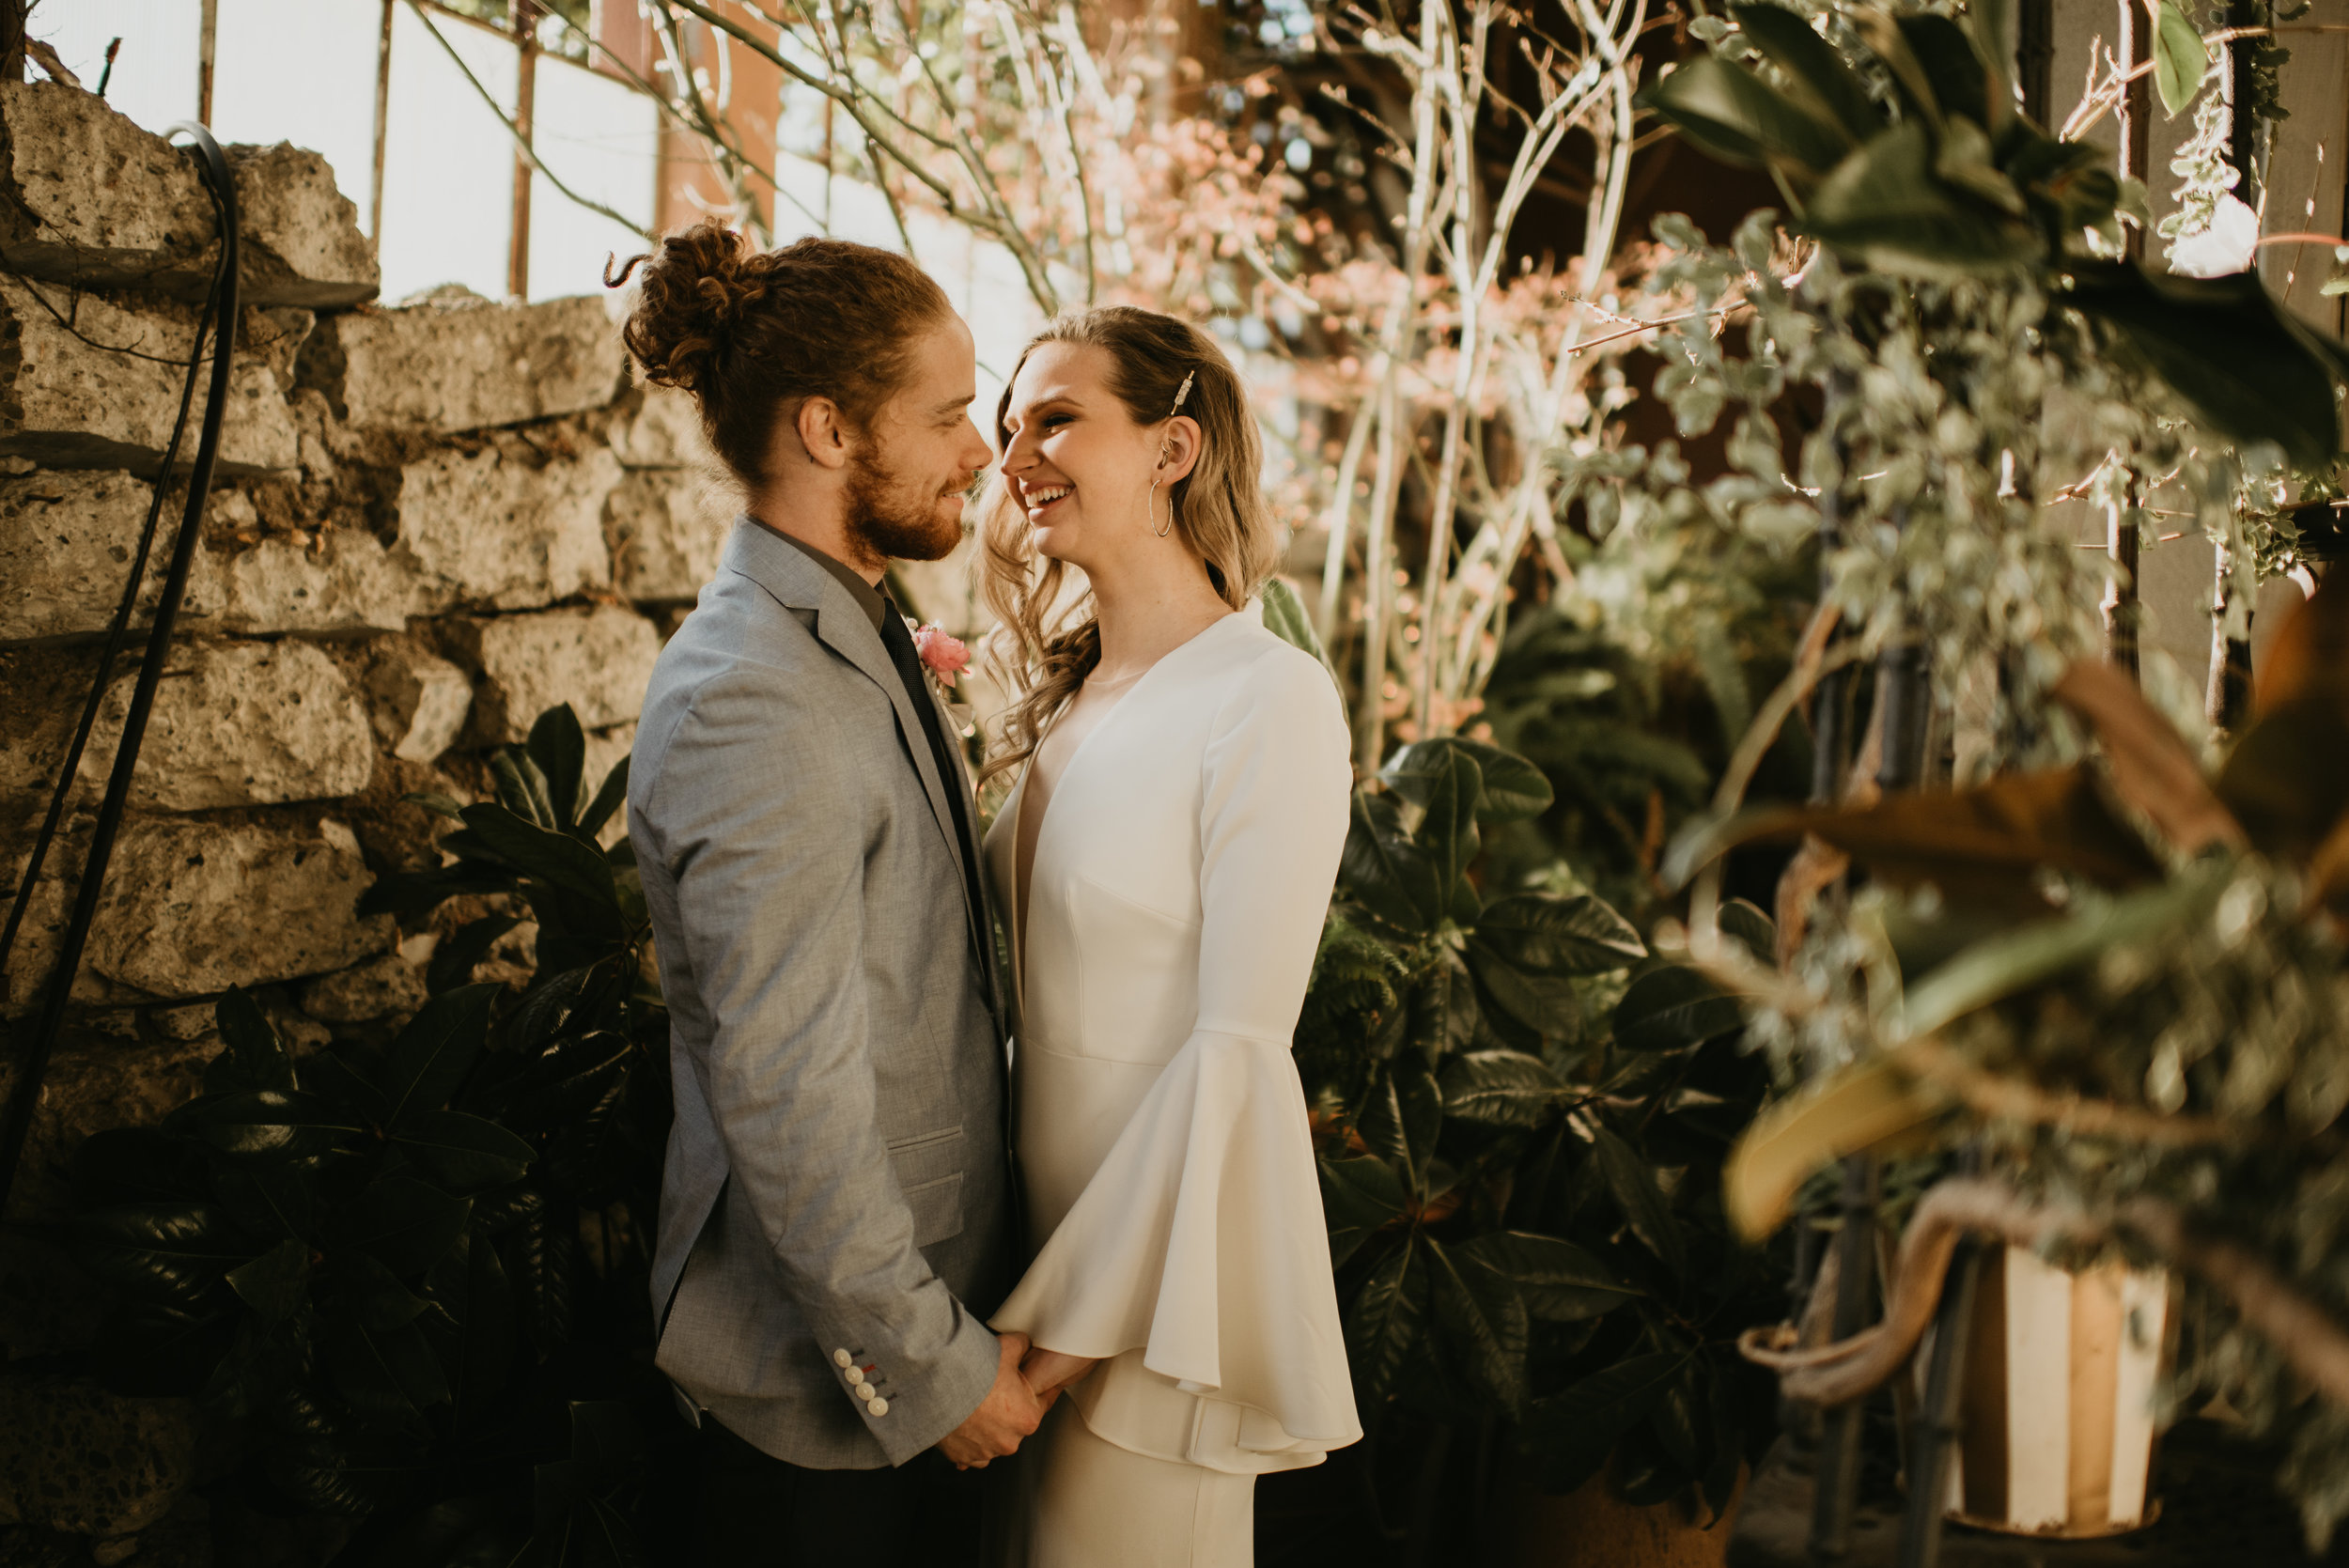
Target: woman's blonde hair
1219,510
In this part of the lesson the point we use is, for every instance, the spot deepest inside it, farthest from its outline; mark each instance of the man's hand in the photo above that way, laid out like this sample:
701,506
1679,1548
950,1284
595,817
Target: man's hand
1048,1371
1007,1414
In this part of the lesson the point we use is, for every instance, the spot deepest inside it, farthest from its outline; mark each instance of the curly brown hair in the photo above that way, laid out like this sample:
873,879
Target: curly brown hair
752,334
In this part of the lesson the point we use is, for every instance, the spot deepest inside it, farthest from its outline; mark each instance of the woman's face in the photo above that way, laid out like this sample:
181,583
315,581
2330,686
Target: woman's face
1080,469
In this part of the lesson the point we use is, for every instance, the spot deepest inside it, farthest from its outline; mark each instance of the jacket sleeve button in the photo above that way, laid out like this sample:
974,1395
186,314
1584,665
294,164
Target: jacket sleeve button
841,1357
877,1405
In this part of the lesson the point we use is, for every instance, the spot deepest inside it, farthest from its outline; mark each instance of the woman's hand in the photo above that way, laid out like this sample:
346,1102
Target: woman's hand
1048,1371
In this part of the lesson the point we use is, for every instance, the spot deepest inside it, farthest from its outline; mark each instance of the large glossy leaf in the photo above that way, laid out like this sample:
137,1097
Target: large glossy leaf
609,799
461,1152
1504,1088
1360,1197
1852,1112
1384,1319
260,1124
409,894
2180,59
1570,1436
1737,117
1675,1006
276,1283
521,789
1514,788
2287,777
351,1475
542,1255
1887,206
252,1056
406,1223
1484,1323
1974,845
1285,617
1544,1003
1384,872
1813,67
428,1059
556,859
1443,1010
388,1374
471,1326
369,1293
559,747
2152,769
458,954
1544,934
2225,348
168,1254
1400,1118
1445,780
1559,1281
1952,69
1632,1182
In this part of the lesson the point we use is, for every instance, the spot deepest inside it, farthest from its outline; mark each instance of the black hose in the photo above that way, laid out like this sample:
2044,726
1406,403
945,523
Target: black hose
219,318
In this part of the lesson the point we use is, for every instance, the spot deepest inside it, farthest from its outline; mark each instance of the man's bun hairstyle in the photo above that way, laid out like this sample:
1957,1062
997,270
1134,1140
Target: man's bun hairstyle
752,334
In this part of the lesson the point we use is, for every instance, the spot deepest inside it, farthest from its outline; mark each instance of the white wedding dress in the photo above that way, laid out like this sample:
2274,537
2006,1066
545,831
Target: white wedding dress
1181,870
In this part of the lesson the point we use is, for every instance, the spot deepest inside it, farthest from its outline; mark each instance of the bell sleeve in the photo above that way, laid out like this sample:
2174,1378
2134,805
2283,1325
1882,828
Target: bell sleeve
1200,1240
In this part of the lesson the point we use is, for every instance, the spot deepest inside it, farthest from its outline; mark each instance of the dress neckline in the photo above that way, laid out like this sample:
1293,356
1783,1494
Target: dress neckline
1018,801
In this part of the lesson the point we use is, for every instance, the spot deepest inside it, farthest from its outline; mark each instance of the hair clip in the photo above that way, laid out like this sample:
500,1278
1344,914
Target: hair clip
1181,394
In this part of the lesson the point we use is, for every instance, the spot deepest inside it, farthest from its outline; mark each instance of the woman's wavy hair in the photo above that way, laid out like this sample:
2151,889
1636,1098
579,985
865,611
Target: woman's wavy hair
1044,651
753,333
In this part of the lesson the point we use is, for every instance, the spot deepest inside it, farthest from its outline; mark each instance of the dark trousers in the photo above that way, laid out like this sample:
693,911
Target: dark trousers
758,1512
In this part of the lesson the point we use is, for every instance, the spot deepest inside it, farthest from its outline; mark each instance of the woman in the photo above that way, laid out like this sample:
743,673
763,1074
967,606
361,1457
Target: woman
1165,861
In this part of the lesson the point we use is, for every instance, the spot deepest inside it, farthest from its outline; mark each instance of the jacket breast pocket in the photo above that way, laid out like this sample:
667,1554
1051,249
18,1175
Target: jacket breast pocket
930,1173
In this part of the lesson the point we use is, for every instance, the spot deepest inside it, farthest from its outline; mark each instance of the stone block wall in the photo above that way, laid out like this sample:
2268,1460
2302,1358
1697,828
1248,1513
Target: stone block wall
435,520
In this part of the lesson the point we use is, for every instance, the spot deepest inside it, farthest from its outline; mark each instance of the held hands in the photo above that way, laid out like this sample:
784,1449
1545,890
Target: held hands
1048,1371
1009,1412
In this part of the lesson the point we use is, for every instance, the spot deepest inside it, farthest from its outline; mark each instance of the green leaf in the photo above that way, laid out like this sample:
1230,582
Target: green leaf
1673,1007
609,799
1952,68
407,1223
1884,205
1484,1321
1383,1320
1570,1436
1514,788
556,859
252,1057
1385,873
461,1152
428,1059
1560,1283
1504,1088
276,1283
1284,616
263,1124
1835,89
1447,830
472,1327
1400,1118
171,1253
1737,117
458,954
2180,59
389,1375
1360,1197
1546,1005
1636,1192
521,788
559,747
1443,1009
1744,923
408,895
2224,348
1543,934
440,805
372,1294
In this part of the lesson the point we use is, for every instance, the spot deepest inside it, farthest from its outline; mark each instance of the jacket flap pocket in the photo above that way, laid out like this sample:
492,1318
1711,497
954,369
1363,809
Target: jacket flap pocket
937,1209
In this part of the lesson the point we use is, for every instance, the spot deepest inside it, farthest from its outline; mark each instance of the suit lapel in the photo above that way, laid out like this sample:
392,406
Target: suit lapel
797,582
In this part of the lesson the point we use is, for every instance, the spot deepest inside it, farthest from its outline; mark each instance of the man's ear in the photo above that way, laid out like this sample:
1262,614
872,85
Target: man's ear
823,432
1178,449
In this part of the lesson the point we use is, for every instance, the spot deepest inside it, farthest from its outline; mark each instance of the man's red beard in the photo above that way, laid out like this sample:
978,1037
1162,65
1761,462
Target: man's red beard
895,519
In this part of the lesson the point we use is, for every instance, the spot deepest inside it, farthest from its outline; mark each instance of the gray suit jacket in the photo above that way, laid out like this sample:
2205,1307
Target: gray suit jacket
838,1054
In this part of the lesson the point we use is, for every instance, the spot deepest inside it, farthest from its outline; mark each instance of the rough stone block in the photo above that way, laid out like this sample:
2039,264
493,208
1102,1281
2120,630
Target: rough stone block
599,661
659,427
376,990
465,364
76,399
67,537
417,700
96,1082
75,1458
504,528
240,724
192,908
666,529
94,199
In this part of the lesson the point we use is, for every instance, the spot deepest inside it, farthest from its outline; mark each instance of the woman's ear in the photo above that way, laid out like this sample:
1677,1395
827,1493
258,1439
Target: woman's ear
1178,450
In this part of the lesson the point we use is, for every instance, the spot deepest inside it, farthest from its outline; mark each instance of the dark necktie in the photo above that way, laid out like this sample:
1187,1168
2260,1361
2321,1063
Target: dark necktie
899,642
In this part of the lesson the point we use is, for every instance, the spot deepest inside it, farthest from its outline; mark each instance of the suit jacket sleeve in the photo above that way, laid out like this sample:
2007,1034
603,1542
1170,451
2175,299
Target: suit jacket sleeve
758,825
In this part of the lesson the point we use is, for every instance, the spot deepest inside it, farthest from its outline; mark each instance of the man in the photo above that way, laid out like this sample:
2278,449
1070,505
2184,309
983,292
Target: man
836,1208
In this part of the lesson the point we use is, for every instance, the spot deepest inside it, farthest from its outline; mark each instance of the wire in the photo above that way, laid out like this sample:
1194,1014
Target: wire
219,317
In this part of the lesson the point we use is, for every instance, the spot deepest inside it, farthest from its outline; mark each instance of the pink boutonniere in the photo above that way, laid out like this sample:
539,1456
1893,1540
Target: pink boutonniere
945,657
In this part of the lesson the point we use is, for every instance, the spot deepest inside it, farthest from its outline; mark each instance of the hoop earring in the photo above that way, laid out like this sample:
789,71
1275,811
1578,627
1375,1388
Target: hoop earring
1150,504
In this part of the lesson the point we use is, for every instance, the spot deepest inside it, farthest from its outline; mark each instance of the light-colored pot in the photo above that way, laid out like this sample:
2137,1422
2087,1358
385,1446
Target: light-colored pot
2058,1404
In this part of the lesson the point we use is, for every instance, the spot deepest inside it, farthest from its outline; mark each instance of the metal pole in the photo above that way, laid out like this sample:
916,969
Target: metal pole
383,124
1936,1429
207,44
1837,1490
522,15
